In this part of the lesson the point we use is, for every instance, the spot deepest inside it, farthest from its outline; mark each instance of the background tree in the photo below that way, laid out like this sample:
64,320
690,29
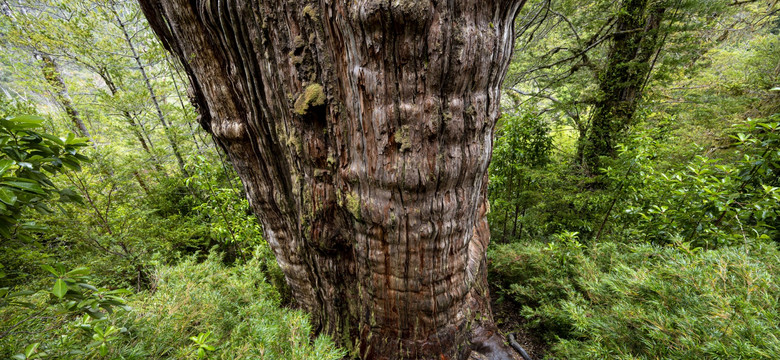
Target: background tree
591,66
523,146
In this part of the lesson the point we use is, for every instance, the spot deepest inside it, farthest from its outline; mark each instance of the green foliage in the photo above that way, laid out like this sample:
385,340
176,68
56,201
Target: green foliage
70,320
28,159
707,201
235,305
231,221
522,147
642,301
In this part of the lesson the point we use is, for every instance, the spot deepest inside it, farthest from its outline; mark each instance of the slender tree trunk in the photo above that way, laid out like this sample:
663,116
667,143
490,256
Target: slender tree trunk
520,231
52,75
621,84
362,131
155,100
134,126
174,72
510,195
141,182
506,220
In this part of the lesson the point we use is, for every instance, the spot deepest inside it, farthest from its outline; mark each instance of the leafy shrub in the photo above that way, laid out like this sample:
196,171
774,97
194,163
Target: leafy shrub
644,301
709,202
28,158
69,319
235,306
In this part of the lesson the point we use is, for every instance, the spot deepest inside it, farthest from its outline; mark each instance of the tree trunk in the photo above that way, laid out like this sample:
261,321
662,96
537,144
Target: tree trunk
514,225
362,131
629,63
152,93
134,126
52,75
184,108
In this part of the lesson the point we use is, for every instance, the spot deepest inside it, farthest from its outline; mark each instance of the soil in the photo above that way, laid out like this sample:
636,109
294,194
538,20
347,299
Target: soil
509,320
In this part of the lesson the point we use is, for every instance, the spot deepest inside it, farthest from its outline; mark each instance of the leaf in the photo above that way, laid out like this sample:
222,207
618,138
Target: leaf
87,286
51,270
23,122
26,186
30,349
53,138
21,293
27,119
70,163
5,164
7,196
95,314
60,288
79,271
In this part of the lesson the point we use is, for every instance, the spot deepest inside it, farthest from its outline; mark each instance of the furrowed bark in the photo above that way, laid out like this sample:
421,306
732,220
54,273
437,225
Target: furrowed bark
362,131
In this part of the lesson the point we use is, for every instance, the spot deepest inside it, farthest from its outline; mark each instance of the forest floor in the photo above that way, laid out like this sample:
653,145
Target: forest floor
509,320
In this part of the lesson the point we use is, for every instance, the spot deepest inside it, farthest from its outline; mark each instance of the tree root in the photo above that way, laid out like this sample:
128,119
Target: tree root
488,344
517,347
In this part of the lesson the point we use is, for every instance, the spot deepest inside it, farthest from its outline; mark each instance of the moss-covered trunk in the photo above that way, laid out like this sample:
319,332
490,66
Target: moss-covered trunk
635,42
362,131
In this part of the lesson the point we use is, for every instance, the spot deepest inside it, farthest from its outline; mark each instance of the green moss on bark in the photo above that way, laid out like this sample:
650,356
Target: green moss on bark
312,96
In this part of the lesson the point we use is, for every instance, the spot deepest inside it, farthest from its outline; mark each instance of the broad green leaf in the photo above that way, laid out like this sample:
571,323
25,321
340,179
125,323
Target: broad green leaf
30,349
5,164
27,119
60,288
87,286
50,269
21,293
22,122
80,271
32,226
53,138
27,186
7,196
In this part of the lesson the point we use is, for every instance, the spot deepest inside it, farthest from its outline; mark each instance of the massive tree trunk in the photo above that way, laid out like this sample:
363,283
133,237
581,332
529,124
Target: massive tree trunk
630,60
362,131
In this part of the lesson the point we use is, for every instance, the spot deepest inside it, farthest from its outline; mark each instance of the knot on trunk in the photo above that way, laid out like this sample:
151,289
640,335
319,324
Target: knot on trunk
228,129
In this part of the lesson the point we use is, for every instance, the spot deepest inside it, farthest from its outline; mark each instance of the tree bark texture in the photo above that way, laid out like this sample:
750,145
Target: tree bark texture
362,131
629,63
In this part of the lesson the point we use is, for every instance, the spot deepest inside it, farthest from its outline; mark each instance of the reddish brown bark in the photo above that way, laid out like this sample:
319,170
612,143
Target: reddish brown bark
362,131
